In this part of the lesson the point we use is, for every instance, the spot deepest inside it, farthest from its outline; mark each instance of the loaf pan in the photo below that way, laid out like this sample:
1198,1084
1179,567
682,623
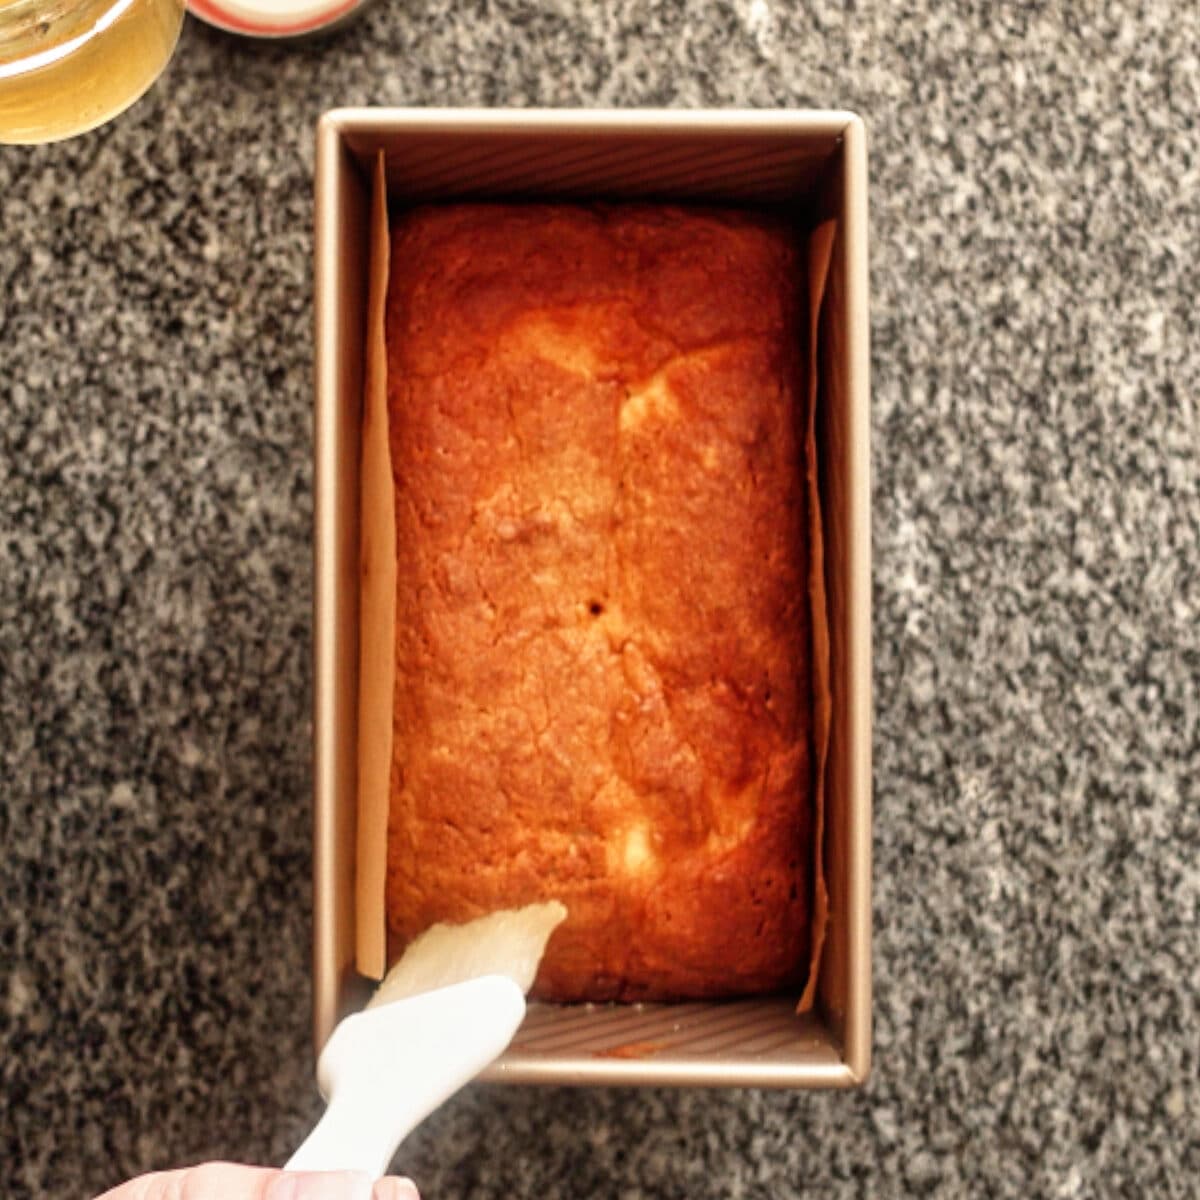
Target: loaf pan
813,164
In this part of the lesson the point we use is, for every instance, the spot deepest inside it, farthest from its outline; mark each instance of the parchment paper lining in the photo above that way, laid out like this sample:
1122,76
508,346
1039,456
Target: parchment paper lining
820,254
377,610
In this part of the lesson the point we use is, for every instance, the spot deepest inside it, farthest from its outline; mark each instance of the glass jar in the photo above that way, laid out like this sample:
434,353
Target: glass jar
67,66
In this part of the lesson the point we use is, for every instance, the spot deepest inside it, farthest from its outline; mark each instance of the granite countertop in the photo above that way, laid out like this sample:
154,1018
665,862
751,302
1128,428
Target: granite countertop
1036,355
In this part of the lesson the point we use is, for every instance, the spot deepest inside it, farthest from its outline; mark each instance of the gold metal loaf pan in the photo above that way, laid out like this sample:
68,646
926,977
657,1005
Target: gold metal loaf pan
811,162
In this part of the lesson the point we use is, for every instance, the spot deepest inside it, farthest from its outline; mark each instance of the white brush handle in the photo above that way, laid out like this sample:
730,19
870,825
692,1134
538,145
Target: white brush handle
385,1070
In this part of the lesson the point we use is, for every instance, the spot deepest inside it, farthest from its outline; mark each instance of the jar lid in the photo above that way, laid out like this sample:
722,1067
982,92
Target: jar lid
274,18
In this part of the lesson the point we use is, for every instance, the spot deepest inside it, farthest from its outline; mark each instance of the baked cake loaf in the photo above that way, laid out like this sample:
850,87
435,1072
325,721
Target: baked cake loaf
602,634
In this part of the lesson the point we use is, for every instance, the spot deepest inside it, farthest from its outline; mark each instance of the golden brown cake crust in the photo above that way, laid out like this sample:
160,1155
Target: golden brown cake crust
602,689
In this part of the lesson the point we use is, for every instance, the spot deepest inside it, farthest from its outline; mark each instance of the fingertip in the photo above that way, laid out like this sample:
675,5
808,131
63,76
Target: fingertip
155,1186
318,1185
392,1187
231,1181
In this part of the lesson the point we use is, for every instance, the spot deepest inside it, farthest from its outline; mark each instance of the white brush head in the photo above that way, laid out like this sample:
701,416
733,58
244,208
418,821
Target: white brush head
509,943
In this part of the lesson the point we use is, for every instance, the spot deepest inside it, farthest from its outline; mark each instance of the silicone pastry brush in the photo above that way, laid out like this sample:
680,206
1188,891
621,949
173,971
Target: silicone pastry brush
446,1010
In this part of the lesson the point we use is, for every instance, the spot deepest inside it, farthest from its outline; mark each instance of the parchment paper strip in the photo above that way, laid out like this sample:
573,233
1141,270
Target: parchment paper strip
820,253
377,610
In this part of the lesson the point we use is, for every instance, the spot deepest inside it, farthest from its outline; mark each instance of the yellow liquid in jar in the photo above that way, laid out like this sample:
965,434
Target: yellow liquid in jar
67,66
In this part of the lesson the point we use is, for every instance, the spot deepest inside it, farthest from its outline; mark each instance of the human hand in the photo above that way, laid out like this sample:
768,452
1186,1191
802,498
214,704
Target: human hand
230,1181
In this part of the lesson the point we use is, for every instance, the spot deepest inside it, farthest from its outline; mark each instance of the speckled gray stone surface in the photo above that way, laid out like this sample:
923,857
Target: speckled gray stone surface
1036,357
